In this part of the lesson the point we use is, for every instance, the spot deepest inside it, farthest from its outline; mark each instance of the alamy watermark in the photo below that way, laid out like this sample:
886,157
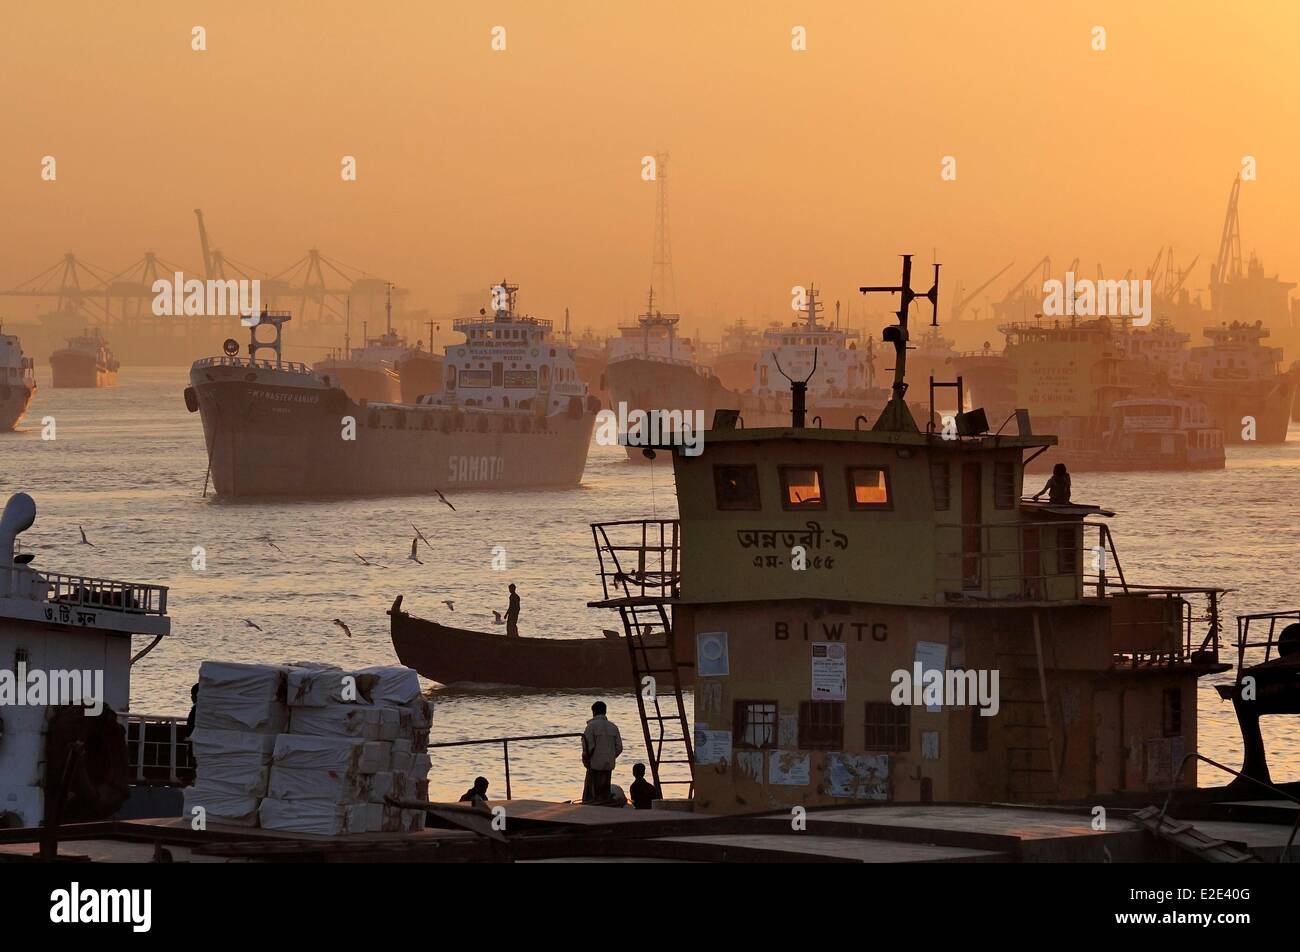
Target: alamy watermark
651,428
1101,298
36,687
214,297
951,688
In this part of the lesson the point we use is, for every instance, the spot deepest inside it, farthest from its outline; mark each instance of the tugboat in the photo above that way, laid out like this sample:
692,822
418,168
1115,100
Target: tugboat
513,415
86,362
879,615
64,756
17,382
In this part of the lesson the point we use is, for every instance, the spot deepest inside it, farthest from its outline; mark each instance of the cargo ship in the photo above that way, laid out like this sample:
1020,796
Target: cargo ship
17,382
651,368
368,372
512,415
85,362
738,353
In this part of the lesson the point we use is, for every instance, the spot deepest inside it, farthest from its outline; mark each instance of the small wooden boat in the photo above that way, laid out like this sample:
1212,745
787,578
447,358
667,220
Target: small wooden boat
450,655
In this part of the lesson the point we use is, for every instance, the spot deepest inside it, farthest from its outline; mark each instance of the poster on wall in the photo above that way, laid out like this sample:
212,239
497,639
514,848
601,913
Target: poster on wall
788,768
860,776
711,659
829,670
712,747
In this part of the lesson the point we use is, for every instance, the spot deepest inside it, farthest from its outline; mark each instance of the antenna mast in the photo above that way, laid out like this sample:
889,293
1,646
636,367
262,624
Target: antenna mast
661,271
896,416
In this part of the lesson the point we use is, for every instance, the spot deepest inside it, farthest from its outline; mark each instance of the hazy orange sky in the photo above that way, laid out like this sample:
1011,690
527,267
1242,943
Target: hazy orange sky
787,167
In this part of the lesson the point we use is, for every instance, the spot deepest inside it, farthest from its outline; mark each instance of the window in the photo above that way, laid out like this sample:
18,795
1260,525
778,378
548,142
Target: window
821,725
869,488
1004,485
801,487
887,726
753,725
941,485
1067,554
736,487
1173,712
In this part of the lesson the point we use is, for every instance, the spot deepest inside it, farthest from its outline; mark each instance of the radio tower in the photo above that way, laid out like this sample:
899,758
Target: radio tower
661,272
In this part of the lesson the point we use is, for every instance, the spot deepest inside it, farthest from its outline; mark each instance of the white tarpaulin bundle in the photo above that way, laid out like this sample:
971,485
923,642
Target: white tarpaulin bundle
241,697
311,748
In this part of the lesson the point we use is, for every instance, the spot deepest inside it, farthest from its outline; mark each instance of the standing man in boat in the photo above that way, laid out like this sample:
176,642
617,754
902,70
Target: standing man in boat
601,745
512,614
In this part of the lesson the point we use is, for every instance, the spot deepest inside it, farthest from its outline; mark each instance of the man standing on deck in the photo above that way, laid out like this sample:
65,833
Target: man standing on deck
512,614
601,745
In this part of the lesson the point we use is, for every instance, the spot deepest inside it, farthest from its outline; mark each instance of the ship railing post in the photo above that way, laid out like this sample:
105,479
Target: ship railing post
505,750
172,772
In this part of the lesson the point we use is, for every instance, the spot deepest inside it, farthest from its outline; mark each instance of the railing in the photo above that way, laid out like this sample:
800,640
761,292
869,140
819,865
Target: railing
489,320
1045,561
288,366
505,747
79,591
157,750
639,558
1274,623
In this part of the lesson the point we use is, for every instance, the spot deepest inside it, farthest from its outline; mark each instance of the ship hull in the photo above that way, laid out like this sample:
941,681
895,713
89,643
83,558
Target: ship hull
372,384
658,385
15,398
456,655
74,370
418,376
1269,402
269,436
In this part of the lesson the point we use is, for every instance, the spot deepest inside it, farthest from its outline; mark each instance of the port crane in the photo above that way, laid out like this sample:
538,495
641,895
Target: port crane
962,301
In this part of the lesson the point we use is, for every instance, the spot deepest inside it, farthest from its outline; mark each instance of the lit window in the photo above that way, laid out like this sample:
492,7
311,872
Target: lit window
801,487
868,487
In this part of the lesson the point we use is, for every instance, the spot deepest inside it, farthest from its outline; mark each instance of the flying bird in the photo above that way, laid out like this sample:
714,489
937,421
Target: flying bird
496,618
444,500
84,540
415,544
267,539
449,604
251,625
361,557
421,535
346,630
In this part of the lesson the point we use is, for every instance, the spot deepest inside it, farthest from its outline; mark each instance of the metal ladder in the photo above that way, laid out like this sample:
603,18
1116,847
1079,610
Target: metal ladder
657,673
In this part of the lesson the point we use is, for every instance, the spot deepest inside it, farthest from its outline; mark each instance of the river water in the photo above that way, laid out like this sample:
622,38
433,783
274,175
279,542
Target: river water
128,464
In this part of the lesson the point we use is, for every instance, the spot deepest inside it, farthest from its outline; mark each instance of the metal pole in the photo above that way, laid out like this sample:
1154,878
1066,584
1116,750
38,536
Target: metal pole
505,749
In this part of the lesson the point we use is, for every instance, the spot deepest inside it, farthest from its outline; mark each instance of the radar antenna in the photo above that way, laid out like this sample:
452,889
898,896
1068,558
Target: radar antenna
798,392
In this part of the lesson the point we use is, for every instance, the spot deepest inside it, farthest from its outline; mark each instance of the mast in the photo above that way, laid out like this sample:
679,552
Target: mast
896,416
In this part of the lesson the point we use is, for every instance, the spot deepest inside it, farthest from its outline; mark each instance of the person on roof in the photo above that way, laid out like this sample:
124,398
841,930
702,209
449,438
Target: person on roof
1058,486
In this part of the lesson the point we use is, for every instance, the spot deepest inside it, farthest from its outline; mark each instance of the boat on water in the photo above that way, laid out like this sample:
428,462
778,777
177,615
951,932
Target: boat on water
882,615
651,368
86,362
451,655
1144,434
738,354
17,381
373,372
513,414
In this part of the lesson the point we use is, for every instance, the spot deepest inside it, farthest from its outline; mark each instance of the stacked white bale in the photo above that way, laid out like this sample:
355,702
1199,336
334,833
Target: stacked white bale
240,712
354,740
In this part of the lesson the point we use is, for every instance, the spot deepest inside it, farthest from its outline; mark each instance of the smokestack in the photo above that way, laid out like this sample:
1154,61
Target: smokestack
798,398
19,514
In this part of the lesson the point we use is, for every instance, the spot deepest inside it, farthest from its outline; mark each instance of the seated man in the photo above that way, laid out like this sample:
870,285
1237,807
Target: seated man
643,792
476,796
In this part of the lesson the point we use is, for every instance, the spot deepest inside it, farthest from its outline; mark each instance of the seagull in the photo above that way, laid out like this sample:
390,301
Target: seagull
84,540
496,618
361,557
444,500
251,625
268,541
449,604
421,536
346,630
415,543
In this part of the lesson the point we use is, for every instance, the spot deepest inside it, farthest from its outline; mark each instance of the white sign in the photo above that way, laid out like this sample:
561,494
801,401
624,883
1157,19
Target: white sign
711,657
788,768
829,670
931,656
712,747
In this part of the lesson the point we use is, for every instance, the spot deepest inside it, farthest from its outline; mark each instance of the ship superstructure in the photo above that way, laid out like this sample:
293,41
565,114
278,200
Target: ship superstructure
17,381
